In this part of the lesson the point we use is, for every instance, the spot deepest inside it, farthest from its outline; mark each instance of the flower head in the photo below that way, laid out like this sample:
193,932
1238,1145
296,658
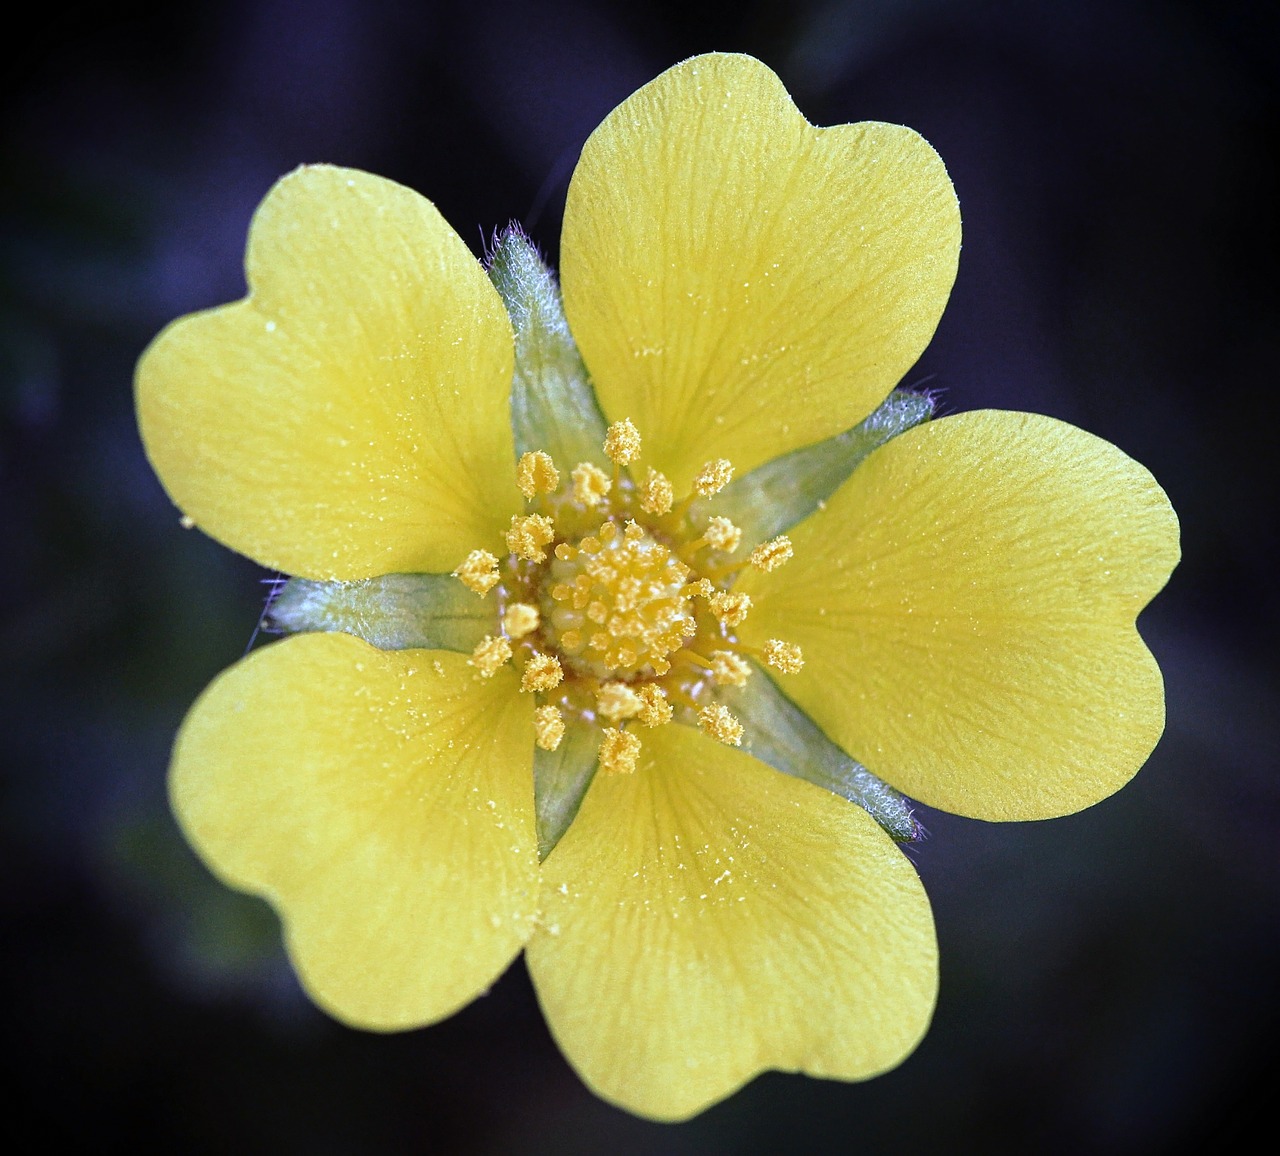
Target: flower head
530,700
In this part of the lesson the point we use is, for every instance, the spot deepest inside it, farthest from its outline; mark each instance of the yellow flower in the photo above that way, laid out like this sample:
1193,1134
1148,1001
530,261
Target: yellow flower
487,609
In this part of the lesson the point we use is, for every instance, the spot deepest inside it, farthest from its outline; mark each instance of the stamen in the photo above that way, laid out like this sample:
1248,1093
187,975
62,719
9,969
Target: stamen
722,534
729,669
520,619
541,672
616,700
655,710
489,655
730,608
548,727
479,572
591,484
528,534
619,751
656,494
783,656
536,474
771,554
713,477
718,721
702,588
622,442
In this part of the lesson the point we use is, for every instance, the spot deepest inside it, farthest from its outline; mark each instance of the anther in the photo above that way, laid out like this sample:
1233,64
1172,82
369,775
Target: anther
722,534
702,588
619,752
622,442
591,485
771,554
479,572
713,477
783,656
655,710
616,700
541,672
717,720
729,669
528,534
536,474
730,608
548,727
520,619
490,654
656,494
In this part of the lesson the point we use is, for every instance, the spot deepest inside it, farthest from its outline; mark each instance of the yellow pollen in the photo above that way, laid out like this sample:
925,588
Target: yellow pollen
618,605
622,442
783,656
590,484
479,572
490,653
703,588
657,495
771,554
731,609
536,474
655,710
729,669
617,700
528,534
619,752
713,477
722,534
718,721
548,727
541,672
520,619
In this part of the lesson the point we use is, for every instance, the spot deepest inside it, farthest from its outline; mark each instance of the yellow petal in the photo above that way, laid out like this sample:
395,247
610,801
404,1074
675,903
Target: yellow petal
350,416
707,918
740,282
383,802
966,607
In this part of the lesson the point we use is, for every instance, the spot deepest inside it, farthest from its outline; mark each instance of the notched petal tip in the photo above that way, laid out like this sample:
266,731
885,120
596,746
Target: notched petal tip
978,604
806,278
346,784
298,425
714,919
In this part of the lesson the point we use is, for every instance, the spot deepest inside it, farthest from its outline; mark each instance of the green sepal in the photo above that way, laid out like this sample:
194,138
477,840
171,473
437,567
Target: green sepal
779,733
775,496
560,781
553,406
394,612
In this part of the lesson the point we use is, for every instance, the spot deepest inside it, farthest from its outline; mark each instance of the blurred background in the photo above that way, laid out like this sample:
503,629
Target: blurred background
1109,981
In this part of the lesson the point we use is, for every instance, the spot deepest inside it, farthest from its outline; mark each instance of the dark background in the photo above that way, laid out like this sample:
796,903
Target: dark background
1109,980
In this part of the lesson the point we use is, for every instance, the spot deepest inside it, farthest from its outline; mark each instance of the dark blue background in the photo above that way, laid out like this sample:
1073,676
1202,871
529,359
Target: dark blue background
1109,981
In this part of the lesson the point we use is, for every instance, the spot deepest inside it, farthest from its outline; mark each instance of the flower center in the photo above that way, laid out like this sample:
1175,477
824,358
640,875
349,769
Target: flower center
616,604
